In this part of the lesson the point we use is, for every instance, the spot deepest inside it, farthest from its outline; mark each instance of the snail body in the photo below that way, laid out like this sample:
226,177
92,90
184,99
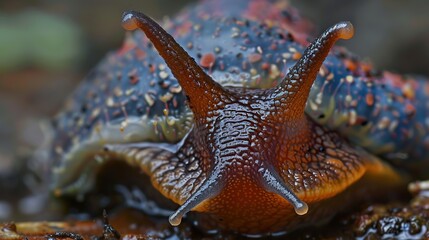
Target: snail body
237,118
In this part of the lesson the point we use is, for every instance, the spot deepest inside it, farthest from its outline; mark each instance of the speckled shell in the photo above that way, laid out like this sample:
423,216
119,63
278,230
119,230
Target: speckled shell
131,96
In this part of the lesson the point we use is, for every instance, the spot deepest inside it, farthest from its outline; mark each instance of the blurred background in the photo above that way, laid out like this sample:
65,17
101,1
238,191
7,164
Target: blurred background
47,47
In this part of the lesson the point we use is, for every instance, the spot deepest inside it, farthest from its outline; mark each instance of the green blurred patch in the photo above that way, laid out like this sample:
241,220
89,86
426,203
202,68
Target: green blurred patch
40,40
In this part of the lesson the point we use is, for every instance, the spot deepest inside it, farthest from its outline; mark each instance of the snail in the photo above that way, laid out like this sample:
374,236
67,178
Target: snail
241,121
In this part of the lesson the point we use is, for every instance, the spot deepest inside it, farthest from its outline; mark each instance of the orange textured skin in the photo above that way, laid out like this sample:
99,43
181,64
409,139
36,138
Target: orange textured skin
244,203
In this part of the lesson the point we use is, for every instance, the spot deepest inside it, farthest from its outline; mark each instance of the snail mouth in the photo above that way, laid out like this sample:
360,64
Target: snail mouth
219,188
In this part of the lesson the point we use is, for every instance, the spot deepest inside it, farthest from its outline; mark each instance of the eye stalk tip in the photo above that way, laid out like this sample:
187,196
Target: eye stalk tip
301,208
128,21
345,30
175,219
